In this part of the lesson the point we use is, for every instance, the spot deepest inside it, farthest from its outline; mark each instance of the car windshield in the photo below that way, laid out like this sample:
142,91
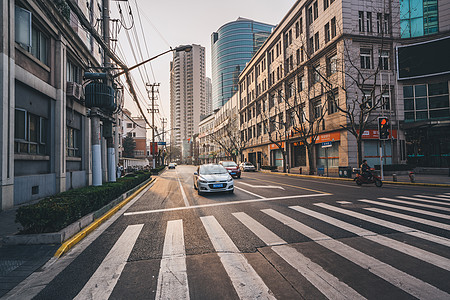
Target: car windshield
228,164
212,169
248,164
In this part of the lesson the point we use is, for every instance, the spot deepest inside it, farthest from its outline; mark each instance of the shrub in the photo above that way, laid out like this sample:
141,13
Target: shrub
271,168
58,211
157,169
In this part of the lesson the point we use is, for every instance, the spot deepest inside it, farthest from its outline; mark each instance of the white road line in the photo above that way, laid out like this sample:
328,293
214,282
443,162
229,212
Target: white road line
424,200
400,279
325,282
410,218
416,204
442,196
246,281
262,186
221,204
186,202
103,281
403,229
426,256
420,211
248,192
172,279
438,197
343,202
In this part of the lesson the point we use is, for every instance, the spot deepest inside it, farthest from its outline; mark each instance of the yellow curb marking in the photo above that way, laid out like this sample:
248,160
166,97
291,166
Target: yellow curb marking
82,234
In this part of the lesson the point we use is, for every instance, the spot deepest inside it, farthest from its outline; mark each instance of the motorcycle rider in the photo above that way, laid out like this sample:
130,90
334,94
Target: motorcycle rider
365,170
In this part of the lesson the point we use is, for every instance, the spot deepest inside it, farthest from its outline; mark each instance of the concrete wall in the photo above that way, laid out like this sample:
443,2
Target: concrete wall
76,179
23,187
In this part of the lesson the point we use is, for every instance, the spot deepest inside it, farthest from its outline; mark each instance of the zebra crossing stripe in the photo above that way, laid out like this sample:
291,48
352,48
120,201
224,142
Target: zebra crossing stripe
246,281
420,211
409,218
431,258
416,204
103,281
424,200
442,196
326,283
172,279
401,228
437,197
400,279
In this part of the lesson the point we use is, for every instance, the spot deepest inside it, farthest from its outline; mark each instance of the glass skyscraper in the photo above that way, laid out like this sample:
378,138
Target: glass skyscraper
232,46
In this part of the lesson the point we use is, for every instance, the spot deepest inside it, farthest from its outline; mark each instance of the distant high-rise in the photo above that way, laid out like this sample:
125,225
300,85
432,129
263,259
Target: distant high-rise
187,94
208,102
232,46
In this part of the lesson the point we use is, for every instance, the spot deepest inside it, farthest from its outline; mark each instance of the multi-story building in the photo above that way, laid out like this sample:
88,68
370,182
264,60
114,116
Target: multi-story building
135,127
424,80
322,60
232,46
45,137
205,143
208,101
187,96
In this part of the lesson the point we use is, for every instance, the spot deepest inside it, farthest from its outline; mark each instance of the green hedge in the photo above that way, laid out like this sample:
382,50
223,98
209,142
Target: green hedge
271,168
58,211
157,169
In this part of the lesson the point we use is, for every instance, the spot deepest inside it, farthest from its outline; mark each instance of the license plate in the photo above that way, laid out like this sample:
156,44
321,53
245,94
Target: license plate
218,185
232,173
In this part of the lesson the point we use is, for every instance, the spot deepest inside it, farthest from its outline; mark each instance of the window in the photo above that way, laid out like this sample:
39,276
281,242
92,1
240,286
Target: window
369,22
365,56
333,100
290,90
301,25
424,101
316,40
23,27
311,44
379,24
316,10
326,3
301,82
30,133
73,143
333,27
385,101
384,60
310,15
316,74
367,99
73,72
297,29
361,21
301,54
317,109
297,56
386,23
327,32
332,65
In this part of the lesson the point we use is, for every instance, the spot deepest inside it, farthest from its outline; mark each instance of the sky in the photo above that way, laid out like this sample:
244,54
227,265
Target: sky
168,24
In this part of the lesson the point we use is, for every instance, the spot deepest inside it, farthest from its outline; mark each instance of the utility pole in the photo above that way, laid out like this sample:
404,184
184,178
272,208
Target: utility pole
163,122
153,111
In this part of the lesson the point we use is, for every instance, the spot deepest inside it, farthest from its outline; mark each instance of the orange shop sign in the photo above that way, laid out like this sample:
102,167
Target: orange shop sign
328,137
275,146
372,134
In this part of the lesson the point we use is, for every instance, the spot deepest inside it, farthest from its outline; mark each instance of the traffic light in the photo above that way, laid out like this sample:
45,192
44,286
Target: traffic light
383,128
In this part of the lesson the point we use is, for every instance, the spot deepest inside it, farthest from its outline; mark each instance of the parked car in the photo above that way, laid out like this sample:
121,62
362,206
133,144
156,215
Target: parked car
247,166
232,168
172,166
211,178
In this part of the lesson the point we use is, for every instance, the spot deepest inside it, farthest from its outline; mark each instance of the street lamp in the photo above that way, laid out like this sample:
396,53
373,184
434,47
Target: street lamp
185,48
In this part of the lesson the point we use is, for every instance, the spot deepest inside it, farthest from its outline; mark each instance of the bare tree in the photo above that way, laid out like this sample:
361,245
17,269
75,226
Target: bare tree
227,136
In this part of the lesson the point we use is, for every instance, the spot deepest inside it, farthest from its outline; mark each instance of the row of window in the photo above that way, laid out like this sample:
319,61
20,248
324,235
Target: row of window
426,101
365,22
366,59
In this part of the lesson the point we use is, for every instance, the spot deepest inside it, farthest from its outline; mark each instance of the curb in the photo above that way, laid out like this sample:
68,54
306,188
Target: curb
348,179
86,231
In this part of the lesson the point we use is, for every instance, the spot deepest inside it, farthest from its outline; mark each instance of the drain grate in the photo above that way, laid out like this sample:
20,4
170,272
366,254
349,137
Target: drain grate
7,266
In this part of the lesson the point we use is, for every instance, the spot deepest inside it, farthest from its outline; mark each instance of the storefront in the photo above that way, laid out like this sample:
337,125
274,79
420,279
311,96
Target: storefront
371,147
276,155
327,150
298,154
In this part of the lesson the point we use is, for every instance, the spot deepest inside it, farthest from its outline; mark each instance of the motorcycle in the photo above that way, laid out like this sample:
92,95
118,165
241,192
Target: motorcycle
360,179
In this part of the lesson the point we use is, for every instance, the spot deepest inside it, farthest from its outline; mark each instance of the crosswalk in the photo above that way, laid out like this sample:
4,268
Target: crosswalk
415,217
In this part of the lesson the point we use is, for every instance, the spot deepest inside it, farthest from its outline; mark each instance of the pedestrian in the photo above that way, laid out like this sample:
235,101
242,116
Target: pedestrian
119,170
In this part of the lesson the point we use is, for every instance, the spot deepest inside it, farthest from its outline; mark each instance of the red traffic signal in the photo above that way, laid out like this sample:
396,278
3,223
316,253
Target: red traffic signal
383,128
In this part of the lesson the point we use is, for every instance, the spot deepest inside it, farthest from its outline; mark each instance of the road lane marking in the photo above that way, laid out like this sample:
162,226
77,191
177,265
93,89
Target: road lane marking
294,186
426,256
400,279
410,218
343,202
424,200
246,281
420,211
221,204
325,282
314,181
103,281
186,202
400,228
261,186
441,198
416,204
248,192
172,279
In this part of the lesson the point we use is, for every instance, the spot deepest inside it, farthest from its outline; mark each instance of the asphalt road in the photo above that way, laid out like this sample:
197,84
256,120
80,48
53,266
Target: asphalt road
276,237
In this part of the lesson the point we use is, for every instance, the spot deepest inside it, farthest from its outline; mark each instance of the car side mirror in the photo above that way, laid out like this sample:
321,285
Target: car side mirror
195,173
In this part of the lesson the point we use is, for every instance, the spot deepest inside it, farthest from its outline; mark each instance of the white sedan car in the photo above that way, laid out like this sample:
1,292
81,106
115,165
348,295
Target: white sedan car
213,178
247,166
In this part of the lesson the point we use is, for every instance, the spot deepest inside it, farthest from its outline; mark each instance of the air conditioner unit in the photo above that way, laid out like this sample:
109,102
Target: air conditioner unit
74,90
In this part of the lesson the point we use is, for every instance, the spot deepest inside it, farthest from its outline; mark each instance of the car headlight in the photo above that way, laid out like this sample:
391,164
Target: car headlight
201,180
230,179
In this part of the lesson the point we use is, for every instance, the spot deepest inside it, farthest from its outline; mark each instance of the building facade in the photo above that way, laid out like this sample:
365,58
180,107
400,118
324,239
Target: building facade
232,46
135,127
299,90
208,101
187,96
45,136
